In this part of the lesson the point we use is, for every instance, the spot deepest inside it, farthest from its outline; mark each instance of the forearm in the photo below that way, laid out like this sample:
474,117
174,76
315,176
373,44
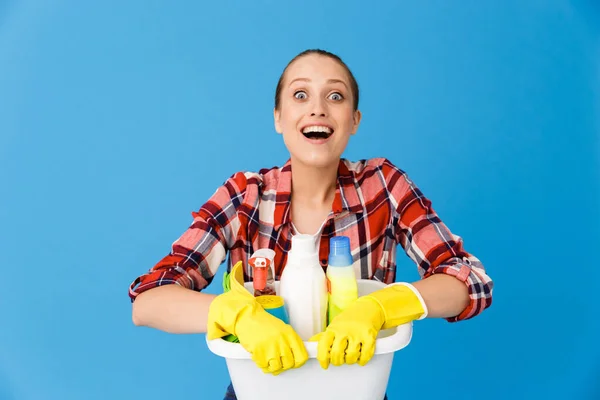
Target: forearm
444,295
172,308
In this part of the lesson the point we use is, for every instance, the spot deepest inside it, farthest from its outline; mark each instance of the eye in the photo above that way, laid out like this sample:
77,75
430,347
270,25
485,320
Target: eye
301,95
336,96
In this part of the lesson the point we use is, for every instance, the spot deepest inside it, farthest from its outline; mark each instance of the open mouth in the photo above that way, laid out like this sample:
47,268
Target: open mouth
316,132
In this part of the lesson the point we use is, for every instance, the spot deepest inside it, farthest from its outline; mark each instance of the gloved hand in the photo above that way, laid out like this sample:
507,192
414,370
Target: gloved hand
351,335
274,345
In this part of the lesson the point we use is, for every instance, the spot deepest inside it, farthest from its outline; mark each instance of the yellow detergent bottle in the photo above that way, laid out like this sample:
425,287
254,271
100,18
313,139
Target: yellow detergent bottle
343,288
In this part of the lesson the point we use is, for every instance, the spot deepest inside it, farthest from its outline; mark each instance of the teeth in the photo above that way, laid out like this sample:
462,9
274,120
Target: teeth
317,128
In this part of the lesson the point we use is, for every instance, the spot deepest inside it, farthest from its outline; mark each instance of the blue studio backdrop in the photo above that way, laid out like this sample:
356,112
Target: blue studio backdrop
118,119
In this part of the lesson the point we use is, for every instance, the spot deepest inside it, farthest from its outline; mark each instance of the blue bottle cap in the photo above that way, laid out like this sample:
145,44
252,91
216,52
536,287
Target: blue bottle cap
339,251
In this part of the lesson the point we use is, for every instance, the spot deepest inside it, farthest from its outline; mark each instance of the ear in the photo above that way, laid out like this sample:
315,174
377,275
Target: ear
357,118
276,118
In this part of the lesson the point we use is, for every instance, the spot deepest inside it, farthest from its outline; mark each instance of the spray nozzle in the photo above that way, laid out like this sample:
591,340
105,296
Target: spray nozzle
262,263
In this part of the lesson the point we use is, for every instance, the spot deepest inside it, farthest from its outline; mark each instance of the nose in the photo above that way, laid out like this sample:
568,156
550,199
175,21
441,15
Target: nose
318,109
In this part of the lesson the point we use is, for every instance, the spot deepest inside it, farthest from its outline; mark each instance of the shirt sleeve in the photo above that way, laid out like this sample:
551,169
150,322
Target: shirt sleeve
431,245
196,255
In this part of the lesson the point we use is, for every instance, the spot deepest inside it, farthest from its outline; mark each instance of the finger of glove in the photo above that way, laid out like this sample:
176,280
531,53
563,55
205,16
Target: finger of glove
367,350
276,373
275,365
324,348
316,337
299,353
353,351
287,356
266,371
338,350
260,359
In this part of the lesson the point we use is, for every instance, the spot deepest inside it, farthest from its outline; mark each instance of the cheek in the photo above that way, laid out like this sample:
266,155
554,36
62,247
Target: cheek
289,118
346,118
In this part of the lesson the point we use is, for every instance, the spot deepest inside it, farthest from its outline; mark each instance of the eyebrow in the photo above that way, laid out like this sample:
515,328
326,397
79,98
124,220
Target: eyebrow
328,81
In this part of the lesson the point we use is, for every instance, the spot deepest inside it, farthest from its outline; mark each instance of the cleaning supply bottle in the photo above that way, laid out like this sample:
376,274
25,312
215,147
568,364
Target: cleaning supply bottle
263,283
275,306
303,286
342,284
262,263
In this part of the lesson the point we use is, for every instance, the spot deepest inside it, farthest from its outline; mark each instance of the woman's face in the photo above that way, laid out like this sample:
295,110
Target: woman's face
316,115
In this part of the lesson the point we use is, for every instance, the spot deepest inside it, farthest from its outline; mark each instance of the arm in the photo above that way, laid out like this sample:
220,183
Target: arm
173,309
168,297
444,295
454,283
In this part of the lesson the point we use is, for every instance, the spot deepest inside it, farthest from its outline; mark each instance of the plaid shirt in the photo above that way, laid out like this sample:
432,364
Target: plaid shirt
376,205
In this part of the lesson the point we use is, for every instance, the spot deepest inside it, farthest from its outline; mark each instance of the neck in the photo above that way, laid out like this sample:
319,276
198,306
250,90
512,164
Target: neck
313,185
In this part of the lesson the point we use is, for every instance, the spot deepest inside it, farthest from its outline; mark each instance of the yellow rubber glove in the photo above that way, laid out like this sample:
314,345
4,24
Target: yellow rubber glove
351,335
274,345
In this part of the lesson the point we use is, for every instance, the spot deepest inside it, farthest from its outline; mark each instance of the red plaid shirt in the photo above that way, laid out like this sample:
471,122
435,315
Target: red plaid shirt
376,205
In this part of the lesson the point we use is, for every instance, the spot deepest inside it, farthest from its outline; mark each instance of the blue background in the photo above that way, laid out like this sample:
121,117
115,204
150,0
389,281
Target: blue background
118,119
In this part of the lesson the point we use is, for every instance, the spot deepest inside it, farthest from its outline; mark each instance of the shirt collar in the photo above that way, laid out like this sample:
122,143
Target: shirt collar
347,198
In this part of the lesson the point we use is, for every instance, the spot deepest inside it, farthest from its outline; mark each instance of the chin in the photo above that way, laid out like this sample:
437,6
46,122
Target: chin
318,160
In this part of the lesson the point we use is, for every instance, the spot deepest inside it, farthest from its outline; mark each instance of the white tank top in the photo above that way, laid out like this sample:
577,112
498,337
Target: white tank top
316,236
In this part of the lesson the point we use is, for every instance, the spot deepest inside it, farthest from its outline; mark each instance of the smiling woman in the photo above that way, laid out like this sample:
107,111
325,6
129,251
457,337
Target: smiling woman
316,109
372,202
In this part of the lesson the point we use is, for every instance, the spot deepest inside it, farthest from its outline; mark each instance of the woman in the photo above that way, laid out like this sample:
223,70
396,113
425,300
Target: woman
316,192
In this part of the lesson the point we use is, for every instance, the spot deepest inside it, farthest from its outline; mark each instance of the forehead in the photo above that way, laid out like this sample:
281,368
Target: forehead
316,67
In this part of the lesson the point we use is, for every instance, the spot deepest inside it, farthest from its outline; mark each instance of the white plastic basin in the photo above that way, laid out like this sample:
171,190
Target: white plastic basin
310,381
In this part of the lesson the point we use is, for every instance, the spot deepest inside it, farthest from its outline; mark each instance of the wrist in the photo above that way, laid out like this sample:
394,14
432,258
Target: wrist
401,303
417,294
